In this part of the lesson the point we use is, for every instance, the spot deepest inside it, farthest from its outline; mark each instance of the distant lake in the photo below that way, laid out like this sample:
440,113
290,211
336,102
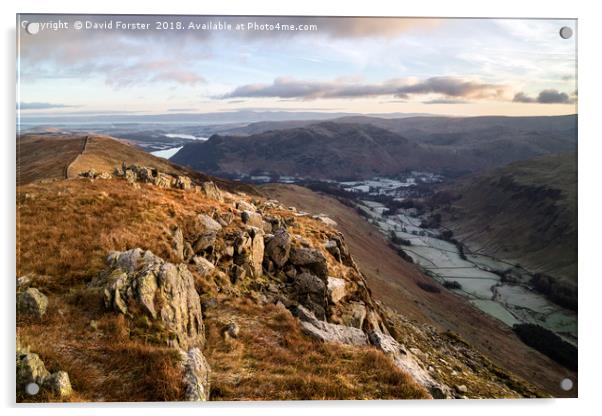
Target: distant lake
185,136
166,153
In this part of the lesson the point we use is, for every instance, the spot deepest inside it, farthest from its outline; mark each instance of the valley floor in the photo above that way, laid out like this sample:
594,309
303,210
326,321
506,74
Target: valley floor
396,283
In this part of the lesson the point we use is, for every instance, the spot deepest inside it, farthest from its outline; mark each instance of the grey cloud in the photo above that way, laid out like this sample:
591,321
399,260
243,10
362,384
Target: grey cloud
549,96
41,106
400,88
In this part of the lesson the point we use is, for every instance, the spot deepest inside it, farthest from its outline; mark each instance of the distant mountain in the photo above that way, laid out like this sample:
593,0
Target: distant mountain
368,146
524,213
325,150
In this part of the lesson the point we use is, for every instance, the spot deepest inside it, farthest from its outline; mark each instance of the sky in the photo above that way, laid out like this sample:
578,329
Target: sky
180,64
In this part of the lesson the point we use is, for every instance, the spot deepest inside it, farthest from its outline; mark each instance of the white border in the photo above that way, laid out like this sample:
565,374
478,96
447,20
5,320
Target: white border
590,165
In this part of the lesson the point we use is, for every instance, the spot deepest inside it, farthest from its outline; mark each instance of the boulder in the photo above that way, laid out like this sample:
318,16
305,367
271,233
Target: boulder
59,384
245,206
336,289
196,375
211,191
328,332
278,247
32,302
249,250
311,258
204,232
231,330
237,273
164,292
183,182
405,361
30,369
253,219
310,291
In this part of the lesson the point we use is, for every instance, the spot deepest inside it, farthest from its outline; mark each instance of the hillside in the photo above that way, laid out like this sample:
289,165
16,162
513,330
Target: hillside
397,284
64,155
146,285
325,150
362,147
524,213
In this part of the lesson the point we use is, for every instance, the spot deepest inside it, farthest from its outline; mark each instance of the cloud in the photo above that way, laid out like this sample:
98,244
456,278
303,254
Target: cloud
445,101
549,96
453,87
41,106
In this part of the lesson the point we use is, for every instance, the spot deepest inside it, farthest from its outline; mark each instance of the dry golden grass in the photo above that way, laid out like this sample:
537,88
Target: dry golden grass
66,229
95,347
272,360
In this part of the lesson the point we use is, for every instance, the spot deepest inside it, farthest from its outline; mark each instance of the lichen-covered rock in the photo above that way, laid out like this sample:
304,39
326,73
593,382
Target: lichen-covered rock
245,206
211,191
278,247
406,361
163,291
59,384
196,375
249,251
354,315
32,302
310,258
332,248
336,289
183,182
30,369
178,243
328,332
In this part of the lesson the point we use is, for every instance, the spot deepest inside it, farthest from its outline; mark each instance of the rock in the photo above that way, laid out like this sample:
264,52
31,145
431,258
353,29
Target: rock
163,291
251,218
205,232
24,281
461,389
336,289
183,182
404,360
203,266
209,303
59,384
332,248
278,247
354,315
325,219
328,332
178,243
310,291
231,330
33,303
245,206
163,180
310,258
196,375
343,250
211,191
248,251
30,369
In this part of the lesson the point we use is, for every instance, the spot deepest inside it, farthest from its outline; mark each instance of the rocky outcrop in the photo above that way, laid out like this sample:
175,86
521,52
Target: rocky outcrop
145,174
93,174
32,303
196,375
249,251
328,332
138,282
406,361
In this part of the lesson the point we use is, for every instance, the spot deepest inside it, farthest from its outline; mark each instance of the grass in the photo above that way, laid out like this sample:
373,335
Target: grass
272,360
